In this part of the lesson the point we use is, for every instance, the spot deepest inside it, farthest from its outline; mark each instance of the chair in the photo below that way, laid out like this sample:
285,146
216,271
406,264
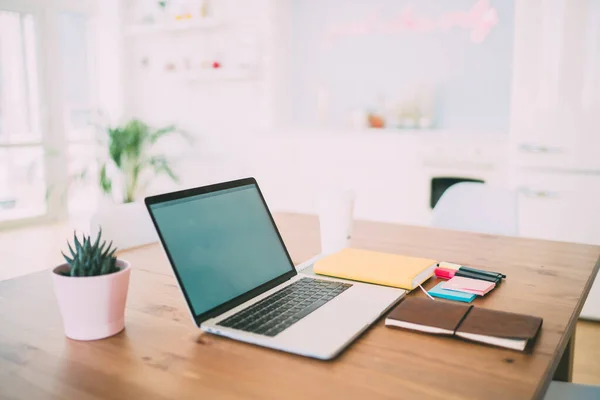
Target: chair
477,207
572,391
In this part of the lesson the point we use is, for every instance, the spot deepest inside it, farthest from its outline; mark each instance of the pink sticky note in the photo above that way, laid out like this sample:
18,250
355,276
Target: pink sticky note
469,285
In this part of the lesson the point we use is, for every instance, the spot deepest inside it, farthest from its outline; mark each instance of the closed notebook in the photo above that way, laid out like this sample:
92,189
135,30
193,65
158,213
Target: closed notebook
375,267
498,328
426,315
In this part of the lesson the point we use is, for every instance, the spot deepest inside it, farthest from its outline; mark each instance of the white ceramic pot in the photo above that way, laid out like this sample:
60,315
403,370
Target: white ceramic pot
127,225
92,307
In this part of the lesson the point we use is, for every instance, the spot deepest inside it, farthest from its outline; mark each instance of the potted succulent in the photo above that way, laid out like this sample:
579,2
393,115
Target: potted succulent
132,164
91,289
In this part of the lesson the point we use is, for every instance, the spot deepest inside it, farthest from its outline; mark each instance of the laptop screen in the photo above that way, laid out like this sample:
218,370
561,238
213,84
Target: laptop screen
222,244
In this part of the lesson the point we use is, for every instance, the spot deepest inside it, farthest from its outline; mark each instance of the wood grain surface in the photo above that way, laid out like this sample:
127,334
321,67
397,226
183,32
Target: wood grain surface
162,355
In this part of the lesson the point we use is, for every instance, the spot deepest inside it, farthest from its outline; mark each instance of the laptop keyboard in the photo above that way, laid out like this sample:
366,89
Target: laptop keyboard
273,314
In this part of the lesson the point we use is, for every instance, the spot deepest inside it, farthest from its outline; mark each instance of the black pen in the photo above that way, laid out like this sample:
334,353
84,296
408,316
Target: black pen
481,277
478,271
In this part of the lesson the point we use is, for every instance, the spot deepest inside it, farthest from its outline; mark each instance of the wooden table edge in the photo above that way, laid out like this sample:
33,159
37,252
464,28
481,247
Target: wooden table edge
566,340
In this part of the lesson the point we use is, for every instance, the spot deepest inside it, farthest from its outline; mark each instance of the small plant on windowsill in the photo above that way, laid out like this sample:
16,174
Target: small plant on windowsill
91,289
133,160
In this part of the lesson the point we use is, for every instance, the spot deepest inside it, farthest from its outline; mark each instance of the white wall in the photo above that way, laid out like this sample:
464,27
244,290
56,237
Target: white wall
220,115
108,60
240,127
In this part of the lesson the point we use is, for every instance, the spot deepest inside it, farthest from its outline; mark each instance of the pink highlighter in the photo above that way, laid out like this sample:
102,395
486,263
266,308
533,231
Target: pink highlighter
444,273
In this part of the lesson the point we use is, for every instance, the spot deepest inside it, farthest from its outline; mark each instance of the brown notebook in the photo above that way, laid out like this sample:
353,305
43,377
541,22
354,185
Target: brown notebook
498,328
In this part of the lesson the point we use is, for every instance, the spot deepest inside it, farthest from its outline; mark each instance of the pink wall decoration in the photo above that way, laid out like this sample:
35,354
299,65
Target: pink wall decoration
478,20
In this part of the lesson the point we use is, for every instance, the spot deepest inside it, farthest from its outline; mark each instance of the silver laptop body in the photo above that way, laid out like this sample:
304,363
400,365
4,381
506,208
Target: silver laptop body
239,281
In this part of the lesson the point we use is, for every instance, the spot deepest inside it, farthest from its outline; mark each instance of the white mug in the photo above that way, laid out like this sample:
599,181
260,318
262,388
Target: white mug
336,212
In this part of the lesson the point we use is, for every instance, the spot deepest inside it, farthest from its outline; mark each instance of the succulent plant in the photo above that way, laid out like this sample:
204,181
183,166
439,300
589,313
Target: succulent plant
90,259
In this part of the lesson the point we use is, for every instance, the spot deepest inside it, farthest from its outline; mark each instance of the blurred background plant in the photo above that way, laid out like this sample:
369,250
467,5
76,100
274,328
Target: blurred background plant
127,161
133,161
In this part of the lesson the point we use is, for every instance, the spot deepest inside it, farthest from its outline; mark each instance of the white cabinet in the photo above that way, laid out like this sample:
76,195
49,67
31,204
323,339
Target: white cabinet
555,104
559,206
555,123
559,215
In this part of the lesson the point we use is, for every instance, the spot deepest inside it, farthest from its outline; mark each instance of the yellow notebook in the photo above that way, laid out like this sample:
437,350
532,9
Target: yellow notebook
375,267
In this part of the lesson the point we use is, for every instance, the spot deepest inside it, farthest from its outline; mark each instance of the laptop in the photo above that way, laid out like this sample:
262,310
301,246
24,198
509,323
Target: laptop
239,281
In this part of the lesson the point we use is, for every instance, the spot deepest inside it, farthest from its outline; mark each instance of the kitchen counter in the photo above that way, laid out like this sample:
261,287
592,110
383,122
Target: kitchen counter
390,170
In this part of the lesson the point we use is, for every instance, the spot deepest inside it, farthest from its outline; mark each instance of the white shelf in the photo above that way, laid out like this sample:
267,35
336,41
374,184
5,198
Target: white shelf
220,74
199,76
174,26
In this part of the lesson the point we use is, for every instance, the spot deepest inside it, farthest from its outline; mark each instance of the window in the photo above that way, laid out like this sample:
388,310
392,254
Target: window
40,158
22,184
19,100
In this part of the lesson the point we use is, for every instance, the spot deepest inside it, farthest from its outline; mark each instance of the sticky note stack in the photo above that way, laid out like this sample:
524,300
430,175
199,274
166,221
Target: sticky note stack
439,292
468,285
461,289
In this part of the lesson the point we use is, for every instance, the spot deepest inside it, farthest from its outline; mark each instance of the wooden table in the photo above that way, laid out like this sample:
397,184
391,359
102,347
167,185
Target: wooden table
162,355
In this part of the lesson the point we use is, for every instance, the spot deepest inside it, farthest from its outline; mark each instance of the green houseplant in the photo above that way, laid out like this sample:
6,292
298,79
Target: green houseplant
131,151
91,289
132,160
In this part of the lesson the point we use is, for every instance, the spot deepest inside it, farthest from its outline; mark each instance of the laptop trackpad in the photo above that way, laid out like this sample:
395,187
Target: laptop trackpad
341,319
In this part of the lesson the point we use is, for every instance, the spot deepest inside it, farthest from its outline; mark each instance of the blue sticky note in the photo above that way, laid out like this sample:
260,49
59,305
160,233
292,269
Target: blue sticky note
438,291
